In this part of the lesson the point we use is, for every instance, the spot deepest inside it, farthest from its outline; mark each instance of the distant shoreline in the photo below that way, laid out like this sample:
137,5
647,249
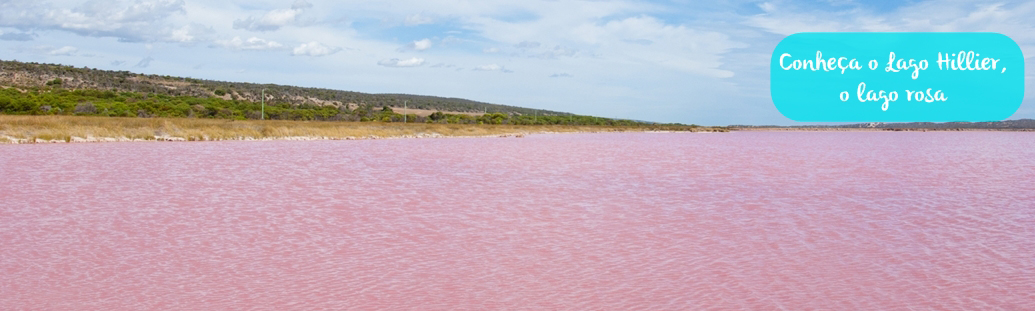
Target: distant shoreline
841,129
1019,125
16,129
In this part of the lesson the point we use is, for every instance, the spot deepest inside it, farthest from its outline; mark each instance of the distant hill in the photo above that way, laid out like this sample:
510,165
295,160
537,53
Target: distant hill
20,74
47,89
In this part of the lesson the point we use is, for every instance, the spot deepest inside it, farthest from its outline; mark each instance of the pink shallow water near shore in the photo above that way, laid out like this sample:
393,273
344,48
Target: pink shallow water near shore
631,221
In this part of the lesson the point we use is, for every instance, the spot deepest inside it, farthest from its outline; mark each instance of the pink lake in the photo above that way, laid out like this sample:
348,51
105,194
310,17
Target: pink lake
628,221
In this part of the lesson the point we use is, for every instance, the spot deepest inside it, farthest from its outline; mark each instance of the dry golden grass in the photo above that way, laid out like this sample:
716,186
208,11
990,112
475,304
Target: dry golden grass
79,128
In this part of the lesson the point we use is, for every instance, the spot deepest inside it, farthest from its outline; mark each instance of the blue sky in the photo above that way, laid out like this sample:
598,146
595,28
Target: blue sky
669,61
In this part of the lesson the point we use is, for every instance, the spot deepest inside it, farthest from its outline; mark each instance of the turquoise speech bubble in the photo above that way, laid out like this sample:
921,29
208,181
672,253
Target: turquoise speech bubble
897,77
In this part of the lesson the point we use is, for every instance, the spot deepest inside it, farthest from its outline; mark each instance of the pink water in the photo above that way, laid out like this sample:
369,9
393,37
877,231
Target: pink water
763,221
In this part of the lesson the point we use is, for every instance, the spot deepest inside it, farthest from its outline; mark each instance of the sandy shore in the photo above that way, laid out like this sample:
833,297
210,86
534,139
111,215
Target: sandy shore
75,129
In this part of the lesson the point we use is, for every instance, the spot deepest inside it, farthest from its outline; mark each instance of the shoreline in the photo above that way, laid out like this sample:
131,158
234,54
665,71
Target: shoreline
7,140
82,129
20,129
817,129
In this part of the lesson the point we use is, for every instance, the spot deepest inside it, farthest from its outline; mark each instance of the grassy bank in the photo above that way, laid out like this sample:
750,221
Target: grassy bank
30,129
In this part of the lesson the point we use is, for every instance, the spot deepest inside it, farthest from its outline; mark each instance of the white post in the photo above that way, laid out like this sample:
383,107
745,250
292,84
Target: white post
263,116
404,111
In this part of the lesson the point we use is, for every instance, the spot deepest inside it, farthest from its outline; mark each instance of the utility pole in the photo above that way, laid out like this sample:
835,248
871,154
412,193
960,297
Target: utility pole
404,111
263,116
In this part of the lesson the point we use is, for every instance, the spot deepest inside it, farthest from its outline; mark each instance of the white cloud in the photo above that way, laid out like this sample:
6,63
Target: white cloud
561,75
253,43
395,62
182,35
419,45
613,32
190,33
448,40
141,20
417,19
767,7
555,52
491,50
275,19
64,51
646,39
314,49
528,45
492,67
1012,20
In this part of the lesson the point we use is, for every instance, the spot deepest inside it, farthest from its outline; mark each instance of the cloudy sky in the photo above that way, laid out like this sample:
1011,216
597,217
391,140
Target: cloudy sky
703,62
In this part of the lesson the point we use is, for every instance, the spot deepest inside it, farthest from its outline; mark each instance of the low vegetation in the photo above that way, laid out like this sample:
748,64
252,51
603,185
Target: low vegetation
55,100
29,129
